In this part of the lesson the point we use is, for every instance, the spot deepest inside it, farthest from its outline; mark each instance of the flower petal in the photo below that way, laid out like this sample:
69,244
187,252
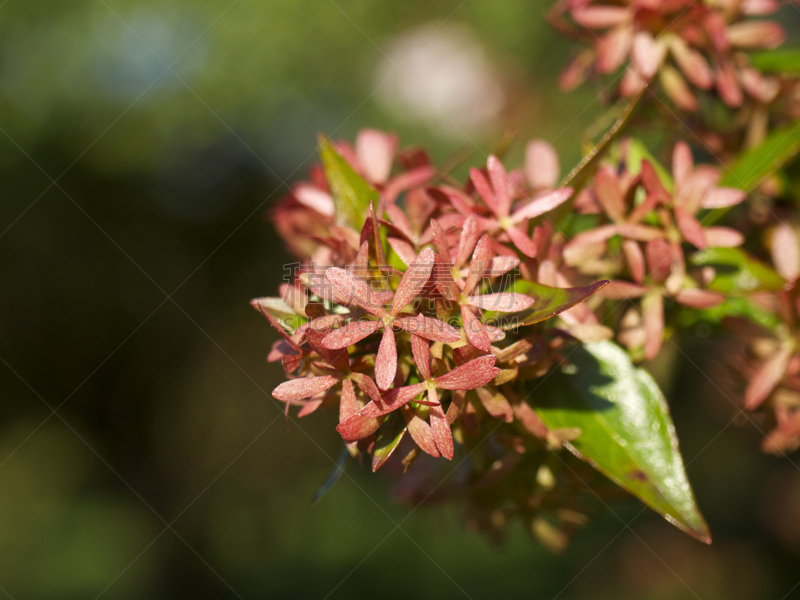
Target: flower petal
653,315
474,374
600,17
473,328
485,191
612,48
635,259
502,302
682,163
542,204
352,332
348,405
500,265
699,298
692,63
392,400
386,361
523,243
422,355
785,248
440,240
306,387
441,429
501,184
429,329
366,384
479,263
723,237
690,227
357,428
609,194
768,375
353,289
623,290
659,259
314,198
752,35
723,197
413,281
403,249
420,431
541,165
495,403
470,234
375,151
677,89
648,54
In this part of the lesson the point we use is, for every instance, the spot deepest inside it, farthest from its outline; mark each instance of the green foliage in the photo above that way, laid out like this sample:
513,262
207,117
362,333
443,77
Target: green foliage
549,303
736,271
777,61
351,194
626,429
755,166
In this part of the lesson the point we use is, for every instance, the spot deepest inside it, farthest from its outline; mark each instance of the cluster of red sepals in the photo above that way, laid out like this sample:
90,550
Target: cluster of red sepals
376,338
695,49
690,48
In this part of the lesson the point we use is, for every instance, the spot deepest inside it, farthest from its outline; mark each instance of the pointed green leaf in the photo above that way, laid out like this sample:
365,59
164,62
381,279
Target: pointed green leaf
351,194
626,430
387,440
777,61
279,313
756,165
737,271
334,476
548,303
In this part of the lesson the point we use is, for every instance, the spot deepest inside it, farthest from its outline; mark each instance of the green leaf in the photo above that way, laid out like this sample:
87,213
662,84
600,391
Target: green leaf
732,307
756,165
737,271
388,438
626,430
780,61
279,313
334,476
351,194
548,303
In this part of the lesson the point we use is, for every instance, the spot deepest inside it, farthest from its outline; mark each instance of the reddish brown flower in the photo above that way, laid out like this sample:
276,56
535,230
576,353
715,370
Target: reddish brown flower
412,282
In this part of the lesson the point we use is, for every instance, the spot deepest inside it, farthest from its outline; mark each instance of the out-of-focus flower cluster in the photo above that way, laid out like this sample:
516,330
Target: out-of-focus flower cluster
691,48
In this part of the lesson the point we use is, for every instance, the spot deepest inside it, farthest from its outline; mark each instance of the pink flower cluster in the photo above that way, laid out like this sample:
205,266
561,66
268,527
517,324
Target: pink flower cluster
392,319
687,44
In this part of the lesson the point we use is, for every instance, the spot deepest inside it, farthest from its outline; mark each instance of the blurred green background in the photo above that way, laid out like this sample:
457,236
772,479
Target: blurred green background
141,455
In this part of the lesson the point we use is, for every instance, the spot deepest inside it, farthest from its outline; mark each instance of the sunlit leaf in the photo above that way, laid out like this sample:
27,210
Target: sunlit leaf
548,303
351,194
755,166
334,476
626,430
736,271
280,313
